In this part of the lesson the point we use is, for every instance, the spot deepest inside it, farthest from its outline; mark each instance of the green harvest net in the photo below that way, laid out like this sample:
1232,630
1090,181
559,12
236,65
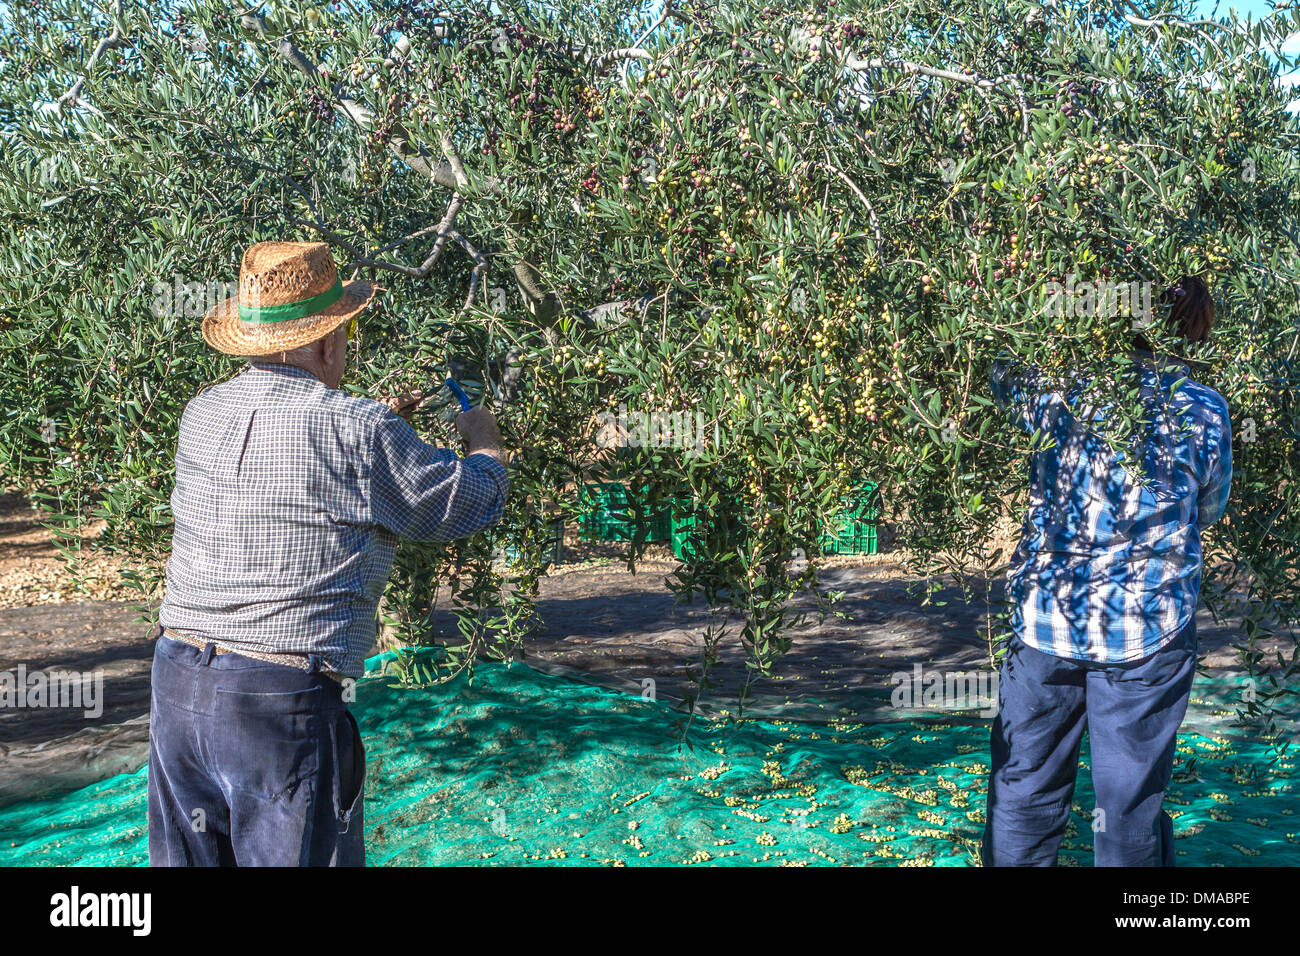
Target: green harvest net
519,767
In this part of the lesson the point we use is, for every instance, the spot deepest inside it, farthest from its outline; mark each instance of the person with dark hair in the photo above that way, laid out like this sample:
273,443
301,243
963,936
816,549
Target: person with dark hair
1191,312
1104,588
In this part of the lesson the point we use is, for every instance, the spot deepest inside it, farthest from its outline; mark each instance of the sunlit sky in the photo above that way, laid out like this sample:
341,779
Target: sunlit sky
1251,8
1257,9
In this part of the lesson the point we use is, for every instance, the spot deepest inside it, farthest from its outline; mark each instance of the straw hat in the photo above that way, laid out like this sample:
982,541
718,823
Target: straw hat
289,295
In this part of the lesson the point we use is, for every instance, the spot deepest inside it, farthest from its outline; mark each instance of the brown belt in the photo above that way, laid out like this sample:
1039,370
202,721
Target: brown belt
288,659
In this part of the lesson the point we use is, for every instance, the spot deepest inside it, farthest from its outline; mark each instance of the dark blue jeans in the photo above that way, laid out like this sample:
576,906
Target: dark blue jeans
250,764
1131,712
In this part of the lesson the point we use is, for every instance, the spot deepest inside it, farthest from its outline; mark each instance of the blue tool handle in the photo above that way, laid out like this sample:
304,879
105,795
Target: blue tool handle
459,393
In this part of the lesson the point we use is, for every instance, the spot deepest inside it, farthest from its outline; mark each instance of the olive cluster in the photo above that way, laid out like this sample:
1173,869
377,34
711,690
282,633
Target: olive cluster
1068,98
38,28
318,105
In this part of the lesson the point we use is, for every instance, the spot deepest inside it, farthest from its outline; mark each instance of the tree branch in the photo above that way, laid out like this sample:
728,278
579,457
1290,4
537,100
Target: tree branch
453,160
449,173
857,64
399,143
974,80
114,41
1166,20
1170,20
626,55
444,231
479,275
875,222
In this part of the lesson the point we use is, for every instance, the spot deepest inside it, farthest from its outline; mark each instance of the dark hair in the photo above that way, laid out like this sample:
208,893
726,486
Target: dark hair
1191,308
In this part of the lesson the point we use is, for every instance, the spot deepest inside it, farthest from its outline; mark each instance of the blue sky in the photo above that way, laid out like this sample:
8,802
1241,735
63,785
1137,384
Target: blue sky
1244,7
1257,9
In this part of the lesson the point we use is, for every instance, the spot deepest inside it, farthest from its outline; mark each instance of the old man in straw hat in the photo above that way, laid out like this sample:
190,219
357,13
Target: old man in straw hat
290,497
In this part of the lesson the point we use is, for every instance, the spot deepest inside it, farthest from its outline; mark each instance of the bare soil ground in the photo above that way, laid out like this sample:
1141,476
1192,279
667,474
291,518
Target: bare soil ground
30,570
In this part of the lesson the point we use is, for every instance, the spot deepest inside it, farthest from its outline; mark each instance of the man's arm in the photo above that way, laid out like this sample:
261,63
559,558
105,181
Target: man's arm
429,494
1212,500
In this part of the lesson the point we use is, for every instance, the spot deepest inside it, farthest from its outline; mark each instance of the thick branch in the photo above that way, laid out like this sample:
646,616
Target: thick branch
875,222
453,160
974,80
449,173
1170,20
609,313
479,275
625,55
444,231
399,143
114,41
541,304
857,64
1166,20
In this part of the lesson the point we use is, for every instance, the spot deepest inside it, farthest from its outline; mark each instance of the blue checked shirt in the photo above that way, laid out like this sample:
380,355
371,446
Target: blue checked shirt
1109,570
289,501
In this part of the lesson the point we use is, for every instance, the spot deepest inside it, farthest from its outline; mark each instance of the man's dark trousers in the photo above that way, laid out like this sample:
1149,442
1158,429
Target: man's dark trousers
251,763
1131,712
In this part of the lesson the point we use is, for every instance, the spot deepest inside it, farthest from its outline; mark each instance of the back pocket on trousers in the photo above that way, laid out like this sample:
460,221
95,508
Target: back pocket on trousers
264,744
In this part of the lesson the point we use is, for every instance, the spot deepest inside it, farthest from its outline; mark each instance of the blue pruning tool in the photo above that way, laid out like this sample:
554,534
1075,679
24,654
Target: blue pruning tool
459,393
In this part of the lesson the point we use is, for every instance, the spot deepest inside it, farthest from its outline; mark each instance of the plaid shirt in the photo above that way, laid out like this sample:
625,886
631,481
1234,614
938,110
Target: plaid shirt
1109,570
289,501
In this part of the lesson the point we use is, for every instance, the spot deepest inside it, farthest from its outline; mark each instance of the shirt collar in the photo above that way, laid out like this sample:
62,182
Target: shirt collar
1149,358
280,367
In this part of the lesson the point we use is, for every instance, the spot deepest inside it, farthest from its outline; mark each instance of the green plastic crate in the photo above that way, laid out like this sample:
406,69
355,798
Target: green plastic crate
692,527
555,544
683,529
853,529
856,537
608,515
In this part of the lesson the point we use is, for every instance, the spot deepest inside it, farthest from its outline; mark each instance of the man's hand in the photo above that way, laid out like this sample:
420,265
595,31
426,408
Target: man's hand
404,405
479,428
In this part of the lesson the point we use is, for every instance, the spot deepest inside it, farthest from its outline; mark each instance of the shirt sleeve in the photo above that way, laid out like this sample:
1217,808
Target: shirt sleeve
431,494
1212,500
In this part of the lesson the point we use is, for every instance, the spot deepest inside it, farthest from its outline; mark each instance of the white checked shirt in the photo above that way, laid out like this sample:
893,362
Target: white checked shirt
289,501
1109,570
